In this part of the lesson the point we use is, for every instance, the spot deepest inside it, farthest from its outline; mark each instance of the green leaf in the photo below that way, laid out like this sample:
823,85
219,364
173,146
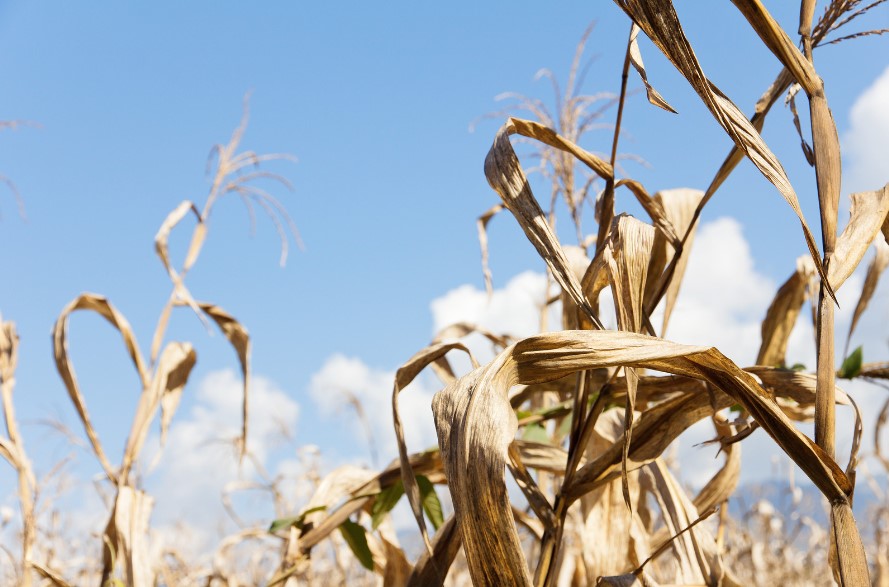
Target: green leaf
851,366
429,499
798,367
385,501
737,409
356,537
535,432
285,523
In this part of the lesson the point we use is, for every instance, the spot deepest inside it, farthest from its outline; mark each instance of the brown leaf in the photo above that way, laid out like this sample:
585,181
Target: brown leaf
403,377
237,335
877,266
103,307
505,175
782,314
658,19
170,377
127,534
868,213
636,59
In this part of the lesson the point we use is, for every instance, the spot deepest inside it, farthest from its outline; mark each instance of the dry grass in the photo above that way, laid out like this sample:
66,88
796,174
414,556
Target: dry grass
580,418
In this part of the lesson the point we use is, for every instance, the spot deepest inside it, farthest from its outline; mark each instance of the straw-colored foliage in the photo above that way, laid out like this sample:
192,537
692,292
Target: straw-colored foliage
554,453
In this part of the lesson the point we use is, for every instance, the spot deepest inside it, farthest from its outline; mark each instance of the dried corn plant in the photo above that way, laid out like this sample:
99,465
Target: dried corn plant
164,375
580,418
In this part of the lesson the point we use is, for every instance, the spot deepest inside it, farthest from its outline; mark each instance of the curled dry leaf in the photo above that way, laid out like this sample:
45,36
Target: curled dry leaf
127,534
180,292
658,19
868,214
237,335
654,96
626,256
431,569
482,225
876,268
505,175
678,206
103,307
165,390
358,487
695,559
625,544
476,425
403,377
783,312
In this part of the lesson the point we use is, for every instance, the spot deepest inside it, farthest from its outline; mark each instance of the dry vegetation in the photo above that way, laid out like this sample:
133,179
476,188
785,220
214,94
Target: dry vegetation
579,417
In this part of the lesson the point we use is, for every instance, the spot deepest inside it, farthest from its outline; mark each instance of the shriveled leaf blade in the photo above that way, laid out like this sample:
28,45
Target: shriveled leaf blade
654,97
658,19
403,377
237,335
876,268
782,314
103,307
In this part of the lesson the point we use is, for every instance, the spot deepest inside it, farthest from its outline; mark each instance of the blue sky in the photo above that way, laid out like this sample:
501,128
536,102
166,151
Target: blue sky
375,102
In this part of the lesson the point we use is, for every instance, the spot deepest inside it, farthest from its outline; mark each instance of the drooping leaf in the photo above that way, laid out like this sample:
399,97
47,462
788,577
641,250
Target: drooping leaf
431,504
356,537
385,501
298,521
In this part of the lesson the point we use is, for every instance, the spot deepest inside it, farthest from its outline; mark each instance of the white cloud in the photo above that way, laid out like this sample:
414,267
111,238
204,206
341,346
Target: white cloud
199,457
341,377
513,309
866,144
723,297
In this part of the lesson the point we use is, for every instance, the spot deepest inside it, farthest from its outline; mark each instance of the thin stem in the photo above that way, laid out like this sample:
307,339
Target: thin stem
606,210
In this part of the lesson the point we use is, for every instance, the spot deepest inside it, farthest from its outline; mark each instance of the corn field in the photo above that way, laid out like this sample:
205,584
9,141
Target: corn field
553,463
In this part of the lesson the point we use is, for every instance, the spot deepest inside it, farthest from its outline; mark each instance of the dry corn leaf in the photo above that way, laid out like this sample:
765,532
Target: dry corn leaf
237,335
678,206
867,215
442,366
825,139
780,44
695,559
625,544
626,257
54,577
127,534
403,377
782,314
658,19
877,266
790,101
542,456
654,96
170,377
722,485
397,569
180,292
850,567
505,175
432,569
482,225
103,307
538,502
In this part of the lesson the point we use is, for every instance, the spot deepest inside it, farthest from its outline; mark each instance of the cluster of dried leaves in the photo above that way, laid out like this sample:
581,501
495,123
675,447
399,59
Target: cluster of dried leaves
580,417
